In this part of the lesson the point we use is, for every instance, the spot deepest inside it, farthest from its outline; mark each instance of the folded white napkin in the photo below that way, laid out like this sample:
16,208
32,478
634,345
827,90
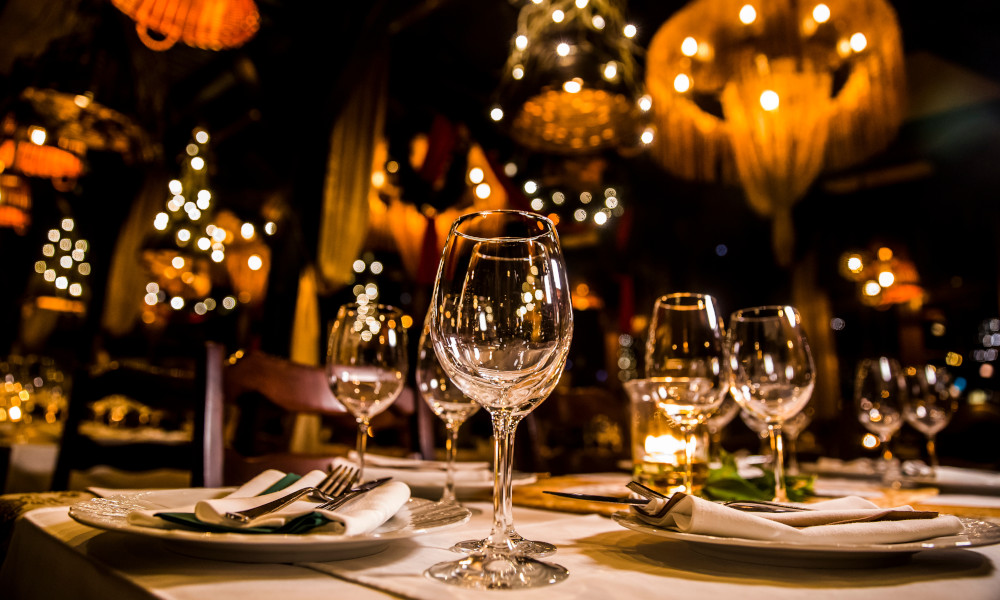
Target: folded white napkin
849,520
147,517
362,515
969,477
359,516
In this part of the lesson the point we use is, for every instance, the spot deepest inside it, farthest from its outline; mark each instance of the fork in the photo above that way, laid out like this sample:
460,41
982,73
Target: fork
330,488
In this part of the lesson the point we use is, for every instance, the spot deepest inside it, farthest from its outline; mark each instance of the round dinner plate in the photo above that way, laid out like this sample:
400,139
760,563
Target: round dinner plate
417,517
976,533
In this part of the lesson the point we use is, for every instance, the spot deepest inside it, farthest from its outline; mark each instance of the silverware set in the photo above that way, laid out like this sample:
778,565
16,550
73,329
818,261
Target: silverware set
648,495
334,491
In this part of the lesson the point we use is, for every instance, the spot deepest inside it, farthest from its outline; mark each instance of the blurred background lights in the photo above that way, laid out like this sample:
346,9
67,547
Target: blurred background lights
769,100
821,13
748,14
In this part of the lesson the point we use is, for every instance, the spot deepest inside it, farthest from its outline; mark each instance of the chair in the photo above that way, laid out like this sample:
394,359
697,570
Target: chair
139,417
266,398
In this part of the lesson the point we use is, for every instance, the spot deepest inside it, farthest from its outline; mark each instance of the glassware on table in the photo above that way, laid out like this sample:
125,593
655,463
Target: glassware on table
366,363
773,372
880,393
659,448
790,430
446,401
501,324
686,367
717,422
930,404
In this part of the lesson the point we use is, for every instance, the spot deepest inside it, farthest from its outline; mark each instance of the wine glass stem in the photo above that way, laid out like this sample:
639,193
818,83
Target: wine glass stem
690,439
504,426
450,449
932,452
362,445
778,452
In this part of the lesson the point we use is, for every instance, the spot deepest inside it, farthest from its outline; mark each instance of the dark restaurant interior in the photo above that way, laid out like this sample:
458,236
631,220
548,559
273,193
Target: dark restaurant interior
387,105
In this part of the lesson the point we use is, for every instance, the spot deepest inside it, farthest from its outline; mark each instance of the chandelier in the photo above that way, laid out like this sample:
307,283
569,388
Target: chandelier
570,84
205,24
769,94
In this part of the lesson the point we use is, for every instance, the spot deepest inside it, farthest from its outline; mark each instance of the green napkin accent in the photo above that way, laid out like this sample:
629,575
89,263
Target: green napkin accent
301,524
726,484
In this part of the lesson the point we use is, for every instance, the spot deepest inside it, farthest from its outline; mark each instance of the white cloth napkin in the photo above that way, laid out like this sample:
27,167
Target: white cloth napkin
359,516
147,517
362,515
849,520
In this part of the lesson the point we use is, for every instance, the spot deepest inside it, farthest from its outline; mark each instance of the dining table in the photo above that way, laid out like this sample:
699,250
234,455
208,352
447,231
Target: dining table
51,555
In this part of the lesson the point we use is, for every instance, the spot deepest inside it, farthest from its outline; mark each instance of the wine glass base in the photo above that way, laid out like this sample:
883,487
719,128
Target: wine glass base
521,546
492,570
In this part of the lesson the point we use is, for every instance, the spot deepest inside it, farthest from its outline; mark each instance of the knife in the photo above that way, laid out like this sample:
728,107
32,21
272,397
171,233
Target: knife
598,498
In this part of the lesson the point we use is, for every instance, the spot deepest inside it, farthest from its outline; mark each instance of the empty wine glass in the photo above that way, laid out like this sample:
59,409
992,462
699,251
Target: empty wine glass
930,404
501,325
366,363
686,366
772,371
880,393
446,401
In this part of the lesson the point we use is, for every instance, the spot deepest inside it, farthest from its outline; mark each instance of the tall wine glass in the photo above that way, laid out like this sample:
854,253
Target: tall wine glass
446,401
686,366
366,363
930,404
773,372
879,395
501,324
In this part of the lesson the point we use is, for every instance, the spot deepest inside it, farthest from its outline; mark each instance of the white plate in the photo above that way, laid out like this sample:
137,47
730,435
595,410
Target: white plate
977,533
417,517
429,483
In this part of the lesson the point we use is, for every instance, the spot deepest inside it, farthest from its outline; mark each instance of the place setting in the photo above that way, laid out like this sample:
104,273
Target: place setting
764,360
300,522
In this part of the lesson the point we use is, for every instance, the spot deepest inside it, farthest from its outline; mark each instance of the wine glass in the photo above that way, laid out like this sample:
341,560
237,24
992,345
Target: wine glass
790,431
879,395
772,371
686,366
930,404
446,401
366,363
501,325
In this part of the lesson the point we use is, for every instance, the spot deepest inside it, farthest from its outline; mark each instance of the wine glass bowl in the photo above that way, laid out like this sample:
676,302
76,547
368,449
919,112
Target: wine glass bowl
366,363
501,325
446,401
929,403
880,392
773,372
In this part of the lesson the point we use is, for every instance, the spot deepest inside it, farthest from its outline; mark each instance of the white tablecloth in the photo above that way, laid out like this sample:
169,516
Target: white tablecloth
52,556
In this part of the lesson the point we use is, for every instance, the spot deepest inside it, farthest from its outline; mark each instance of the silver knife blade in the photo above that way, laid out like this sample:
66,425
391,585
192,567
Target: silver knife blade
599,498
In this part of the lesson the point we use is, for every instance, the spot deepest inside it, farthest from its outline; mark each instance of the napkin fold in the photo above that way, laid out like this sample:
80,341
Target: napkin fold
359,516
266,481
848,520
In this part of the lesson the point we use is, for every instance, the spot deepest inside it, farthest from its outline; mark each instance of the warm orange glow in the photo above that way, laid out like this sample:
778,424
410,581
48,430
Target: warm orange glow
884,254
205,24
748,14
682,83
